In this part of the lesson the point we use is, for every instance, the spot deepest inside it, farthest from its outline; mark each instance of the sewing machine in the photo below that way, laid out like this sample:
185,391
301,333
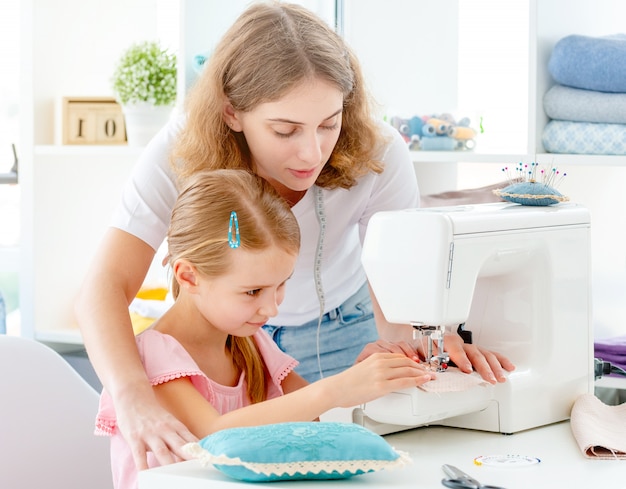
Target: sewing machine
518,278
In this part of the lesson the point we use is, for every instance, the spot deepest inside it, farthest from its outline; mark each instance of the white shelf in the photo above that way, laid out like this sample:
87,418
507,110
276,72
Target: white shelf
68,336
87,150
577,160
466,157
513,158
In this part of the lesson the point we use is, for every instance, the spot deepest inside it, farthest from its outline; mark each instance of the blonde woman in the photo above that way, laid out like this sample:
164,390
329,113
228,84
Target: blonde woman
283,96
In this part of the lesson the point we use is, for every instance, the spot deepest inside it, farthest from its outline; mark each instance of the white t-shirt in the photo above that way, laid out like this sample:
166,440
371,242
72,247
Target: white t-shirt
150,193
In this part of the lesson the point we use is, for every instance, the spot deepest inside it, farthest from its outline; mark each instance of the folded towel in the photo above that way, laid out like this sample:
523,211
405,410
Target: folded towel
575,104
588,138
612,350
591,63
599,430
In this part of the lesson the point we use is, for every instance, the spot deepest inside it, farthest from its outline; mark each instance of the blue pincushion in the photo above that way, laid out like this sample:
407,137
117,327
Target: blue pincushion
526,189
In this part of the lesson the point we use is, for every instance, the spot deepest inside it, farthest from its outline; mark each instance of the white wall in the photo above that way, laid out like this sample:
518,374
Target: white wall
410,62
75,49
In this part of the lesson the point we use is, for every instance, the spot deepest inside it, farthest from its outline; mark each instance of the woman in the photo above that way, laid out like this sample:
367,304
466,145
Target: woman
283,96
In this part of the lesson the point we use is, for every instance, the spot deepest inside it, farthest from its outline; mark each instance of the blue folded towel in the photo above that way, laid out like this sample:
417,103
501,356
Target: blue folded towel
586,138
573,104
591,63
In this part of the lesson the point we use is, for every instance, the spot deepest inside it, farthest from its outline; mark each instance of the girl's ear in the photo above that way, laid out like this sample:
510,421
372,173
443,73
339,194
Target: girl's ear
186,275
230,117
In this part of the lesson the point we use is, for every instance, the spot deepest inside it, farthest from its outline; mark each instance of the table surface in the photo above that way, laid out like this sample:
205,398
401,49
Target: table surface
562,463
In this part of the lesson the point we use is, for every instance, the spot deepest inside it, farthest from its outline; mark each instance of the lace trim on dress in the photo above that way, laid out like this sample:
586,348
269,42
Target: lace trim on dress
286,371
173,376
105,426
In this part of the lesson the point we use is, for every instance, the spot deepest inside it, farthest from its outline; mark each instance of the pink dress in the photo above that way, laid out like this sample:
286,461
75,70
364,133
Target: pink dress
165,359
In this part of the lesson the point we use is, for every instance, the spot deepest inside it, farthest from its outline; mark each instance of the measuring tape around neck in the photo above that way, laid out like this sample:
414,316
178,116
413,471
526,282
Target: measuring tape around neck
317,266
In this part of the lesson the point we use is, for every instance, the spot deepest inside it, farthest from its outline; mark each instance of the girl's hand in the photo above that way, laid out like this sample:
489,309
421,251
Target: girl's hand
377,375
402,347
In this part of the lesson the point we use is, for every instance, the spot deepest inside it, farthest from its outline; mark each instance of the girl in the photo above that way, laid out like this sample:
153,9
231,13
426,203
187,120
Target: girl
283,96
233,244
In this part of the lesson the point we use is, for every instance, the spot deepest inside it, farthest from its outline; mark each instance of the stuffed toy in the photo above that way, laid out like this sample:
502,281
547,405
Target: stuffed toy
436,132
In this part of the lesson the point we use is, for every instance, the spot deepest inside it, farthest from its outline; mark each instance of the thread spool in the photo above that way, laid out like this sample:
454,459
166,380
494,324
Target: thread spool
469,144
441,126
462,133
428,130
440,143
415,125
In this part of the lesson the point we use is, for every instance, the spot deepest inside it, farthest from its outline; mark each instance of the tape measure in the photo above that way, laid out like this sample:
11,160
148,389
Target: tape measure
506,461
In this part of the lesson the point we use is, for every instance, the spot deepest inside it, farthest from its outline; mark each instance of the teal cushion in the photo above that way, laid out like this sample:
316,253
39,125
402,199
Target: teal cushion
531,193
298,450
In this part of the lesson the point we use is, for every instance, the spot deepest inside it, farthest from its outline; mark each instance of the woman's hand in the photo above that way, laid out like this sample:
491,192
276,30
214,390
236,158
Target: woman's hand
490,365
147,427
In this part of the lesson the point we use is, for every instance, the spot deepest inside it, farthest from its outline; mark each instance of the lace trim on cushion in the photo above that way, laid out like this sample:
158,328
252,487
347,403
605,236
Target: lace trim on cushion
301,467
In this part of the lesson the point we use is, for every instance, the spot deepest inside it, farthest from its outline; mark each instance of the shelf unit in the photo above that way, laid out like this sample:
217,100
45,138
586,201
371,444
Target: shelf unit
68,193
436,63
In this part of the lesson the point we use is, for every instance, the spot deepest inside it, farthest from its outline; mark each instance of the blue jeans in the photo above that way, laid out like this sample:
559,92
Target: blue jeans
342,335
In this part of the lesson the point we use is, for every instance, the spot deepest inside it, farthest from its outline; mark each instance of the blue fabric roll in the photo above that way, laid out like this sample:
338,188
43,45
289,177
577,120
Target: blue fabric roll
590,63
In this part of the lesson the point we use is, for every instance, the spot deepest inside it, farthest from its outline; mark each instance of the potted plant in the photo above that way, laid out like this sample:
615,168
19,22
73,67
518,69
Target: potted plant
144,83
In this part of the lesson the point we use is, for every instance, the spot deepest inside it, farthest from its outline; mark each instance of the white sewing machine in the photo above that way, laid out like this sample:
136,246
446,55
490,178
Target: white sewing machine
518,277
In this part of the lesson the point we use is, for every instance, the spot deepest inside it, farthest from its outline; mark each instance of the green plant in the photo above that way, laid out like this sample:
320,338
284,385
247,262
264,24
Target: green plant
145,73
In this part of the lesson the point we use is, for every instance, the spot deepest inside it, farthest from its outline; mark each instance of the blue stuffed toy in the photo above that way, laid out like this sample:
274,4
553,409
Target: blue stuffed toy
436,133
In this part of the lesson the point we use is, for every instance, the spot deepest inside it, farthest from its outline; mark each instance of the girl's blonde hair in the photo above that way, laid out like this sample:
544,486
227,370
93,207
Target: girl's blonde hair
269,50
198,232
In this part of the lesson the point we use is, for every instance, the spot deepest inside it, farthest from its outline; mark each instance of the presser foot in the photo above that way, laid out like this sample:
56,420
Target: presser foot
435,363
438,363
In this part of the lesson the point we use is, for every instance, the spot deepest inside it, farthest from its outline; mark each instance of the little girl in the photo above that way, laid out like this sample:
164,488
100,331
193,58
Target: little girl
233,244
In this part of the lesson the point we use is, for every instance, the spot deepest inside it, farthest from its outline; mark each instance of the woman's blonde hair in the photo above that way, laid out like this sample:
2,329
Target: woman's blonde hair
199,233
270,49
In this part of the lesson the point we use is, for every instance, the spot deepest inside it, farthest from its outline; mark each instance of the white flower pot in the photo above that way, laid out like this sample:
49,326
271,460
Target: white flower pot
143,120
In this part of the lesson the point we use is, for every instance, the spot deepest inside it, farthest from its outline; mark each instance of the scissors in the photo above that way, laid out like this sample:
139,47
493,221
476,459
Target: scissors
460,480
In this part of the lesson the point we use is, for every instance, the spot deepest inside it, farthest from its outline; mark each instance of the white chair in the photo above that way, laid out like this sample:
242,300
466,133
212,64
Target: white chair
47,414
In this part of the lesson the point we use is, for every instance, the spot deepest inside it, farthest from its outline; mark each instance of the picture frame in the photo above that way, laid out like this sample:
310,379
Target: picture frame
93,120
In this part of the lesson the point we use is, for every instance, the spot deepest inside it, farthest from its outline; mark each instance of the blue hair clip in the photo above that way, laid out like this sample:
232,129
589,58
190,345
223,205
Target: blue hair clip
233,242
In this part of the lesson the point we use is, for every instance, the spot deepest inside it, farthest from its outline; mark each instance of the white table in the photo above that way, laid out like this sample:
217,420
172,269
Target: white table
562,463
